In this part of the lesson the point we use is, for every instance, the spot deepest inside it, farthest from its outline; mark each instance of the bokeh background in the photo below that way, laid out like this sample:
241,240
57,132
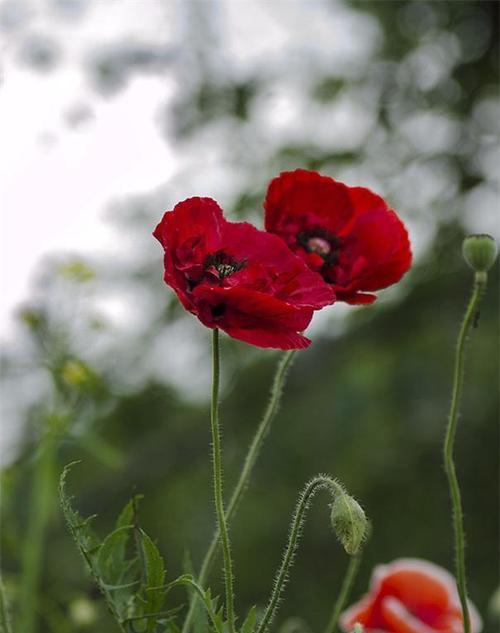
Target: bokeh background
112,112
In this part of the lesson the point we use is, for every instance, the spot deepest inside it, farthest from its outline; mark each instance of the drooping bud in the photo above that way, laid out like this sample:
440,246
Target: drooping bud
480,252
349,522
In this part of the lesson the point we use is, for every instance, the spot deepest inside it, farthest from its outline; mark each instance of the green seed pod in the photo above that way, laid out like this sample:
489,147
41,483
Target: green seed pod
480,252
349,522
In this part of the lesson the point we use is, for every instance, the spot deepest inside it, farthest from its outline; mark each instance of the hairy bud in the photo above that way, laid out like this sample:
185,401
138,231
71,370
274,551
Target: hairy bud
349,522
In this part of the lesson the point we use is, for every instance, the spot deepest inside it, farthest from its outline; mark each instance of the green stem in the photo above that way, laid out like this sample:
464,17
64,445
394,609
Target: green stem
5,620
217,472
282,575
42,492
250,460
345,590
458,381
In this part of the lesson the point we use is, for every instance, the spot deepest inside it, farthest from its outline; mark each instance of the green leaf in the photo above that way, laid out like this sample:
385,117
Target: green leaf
200,618
110,562
154,567
152,593
248,625
126,516
86,540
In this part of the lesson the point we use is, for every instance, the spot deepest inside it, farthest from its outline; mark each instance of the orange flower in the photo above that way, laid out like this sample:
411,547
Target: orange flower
410,596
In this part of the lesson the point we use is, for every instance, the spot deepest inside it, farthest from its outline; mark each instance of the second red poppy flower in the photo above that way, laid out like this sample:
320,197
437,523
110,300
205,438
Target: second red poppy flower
348,234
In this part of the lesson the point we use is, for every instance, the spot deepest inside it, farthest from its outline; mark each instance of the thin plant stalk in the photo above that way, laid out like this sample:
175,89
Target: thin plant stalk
345,590
245,474
43,486
458,381
217,474
5,620
296,528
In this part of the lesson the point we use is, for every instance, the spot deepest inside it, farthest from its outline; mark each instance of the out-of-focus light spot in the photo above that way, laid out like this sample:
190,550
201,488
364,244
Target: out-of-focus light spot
481,210
486,117
422,185
167,364
474,33
487,162
428,65
417,18
430,132
324,29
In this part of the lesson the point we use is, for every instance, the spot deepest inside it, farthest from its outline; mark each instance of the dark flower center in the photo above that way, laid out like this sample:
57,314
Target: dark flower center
223,264
320,242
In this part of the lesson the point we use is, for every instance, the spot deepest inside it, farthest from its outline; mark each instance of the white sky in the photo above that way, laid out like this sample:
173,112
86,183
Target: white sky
55,181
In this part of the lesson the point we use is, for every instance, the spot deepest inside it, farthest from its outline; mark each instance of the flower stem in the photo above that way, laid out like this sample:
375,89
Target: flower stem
458,381
5,619
345,590
42,492
246,471
217,473
282,575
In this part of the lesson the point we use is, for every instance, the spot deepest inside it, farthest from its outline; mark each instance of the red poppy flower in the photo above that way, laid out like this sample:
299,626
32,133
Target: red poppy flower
410,596
348,234
239,279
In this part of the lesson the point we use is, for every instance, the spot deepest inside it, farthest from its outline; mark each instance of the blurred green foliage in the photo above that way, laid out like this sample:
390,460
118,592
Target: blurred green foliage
366,403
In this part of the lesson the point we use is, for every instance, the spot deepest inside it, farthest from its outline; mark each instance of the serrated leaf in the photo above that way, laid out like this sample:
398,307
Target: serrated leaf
154,567
126,516
86,540
153,576
248,625
110,561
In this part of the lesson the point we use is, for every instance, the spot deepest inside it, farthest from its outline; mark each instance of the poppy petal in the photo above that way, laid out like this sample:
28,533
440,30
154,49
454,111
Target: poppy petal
301,199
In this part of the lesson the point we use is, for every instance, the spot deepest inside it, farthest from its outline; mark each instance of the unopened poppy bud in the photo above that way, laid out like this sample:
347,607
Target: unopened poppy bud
349,522
480,252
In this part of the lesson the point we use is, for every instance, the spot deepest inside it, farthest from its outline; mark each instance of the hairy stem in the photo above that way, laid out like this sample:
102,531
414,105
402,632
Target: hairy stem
43,486
217,473
282,575
345,590
458,381
245,474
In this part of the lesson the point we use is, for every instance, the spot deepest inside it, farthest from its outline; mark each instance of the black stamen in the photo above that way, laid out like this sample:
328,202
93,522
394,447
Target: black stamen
224,264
